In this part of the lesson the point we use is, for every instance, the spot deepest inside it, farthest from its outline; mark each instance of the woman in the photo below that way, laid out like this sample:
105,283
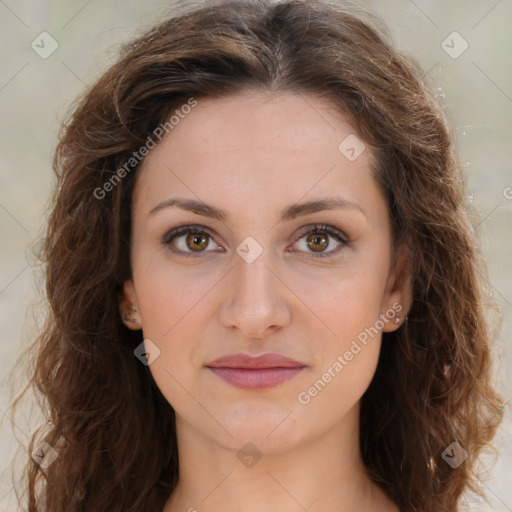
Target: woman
264,287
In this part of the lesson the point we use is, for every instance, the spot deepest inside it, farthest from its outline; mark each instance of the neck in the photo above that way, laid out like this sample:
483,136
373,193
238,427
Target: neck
324,473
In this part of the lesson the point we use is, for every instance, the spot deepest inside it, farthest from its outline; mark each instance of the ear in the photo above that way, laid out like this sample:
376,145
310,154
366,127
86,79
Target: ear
398,297
128,307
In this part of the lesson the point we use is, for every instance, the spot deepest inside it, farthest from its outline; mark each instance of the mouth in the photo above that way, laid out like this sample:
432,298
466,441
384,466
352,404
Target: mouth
249,372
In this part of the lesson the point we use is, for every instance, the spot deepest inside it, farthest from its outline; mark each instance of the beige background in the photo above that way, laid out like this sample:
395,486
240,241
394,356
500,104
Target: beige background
35,94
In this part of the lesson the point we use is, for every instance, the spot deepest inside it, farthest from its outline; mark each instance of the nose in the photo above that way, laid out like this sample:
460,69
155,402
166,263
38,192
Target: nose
255,301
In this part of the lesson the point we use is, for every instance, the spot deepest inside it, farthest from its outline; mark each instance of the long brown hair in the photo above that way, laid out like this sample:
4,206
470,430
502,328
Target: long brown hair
112,428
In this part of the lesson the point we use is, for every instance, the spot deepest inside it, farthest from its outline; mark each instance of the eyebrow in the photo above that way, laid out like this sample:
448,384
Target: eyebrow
288,213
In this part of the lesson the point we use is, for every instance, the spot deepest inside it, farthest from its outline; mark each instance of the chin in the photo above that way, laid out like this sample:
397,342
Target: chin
271,428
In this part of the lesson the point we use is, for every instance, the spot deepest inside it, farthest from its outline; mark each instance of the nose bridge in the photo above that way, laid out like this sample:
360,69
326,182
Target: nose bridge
255,300
254,280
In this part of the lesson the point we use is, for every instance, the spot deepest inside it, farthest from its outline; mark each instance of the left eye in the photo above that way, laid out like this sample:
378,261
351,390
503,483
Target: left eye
318,240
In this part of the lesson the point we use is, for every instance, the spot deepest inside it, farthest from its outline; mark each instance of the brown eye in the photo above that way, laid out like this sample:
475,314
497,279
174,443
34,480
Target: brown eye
321,241
197,241
190,241
317,242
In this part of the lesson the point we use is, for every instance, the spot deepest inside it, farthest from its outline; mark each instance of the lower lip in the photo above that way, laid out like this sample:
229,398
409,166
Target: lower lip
259,378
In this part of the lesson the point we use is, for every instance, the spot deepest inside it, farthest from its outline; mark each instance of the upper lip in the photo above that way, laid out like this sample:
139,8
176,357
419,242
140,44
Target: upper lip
240,360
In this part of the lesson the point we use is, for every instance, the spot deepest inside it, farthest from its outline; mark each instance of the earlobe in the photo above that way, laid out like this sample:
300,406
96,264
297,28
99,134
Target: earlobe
128,307
399,296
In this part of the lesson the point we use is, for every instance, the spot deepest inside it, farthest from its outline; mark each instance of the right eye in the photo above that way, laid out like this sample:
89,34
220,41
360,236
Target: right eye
189,241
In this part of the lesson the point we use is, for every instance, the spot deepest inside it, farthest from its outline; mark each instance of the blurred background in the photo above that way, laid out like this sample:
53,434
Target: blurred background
52,50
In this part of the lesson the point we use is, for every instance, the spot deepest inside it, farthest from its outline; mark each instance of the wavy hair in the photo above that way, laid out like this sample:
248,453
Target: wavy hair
111,426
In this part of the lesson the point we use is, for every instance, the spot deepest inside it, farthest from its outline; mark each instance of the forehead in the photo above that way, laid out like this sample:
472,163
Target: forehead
260,147
260,119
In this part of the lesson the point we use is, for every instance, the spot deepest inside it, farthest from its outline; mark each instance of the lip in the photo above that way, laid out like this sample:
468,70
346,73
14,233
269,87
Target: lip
246,361
260,372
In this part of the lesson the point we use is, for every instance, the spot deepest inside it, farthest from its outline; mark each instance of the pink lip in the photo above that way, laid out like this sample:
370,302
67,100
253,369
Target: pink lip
264,371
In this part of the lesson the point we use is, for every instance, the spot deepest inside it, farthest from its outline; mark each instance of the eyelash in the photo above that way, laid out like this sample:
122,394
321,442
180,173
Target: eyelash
317,228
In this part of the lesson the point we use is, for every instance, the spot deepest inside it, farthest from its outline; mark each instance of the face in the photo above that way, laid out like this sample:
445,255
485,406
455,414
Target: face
262,263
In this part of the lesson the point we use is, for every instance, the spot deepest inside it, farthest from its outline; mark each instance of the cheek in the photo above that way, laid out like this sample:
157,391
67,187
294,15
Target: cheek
342,381
169,297
349,308
173,320
346,301
349,356
176,308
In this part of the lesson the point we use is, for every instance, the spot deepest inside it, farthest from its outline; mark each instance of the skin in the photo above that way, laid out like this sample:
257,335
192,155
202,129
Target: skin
253,154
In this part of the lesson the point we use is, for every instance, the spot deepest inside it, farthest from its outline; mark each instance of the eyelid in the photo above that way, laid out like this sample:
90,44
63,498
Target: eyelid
323,228
331,231
184,229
